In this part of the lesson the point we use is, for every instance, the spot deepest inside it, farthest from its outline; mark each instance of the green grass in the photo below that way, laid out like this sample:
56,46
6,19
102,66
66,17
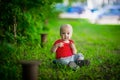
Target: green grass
98,43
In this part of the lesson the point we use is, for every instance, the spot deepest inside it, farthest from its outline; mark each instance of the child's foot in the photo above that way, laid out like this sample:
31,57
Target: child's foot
83,63
73,65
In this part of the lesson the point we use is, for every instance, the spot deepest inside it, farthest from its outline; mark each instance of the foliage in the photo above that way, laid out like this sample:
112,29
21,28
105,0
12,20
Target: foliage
21,22
24,14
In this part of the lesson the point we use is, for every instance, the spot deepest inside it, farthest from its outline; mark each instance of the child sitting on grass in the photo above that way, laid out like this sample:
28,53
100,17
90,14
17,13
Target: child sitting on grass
65,49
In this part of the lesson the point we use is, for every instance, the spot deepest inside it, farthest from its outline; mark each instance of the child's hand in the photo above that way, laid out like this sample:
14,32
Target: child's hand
60,44
54,48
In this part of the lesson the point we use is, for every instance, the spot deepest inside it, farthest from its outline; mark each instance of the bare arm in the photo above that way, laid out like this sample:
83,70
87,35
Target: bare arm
54,48
73,48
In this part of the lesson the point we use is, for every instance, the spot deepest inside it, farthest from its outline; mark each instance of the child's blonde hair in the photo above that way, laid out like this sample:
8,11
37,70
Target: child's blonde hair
66,26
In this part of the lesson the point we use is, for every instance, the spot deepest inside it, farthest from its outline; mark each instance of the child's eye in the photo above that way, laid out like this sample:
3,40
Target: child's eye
68,33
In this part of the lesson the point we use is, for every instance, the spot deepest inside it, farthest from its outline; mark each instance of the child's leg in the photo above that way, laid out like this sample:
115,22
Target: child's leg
79,59
65,60
78,56
69,61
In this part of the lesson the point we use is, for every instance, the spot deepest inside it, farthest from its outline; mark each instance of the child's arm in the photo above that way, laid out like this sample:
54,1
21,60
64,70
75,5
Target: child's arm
54,48
73,48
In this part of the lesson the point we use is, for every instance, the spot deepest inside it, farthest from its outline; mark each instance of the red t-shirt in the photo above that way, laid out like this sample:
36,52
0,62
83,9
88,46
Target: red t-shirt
64,51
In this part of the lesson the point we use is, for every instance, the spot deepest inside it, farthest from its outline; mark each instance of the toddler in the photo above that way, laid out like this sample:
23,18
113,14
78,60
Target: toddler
65,49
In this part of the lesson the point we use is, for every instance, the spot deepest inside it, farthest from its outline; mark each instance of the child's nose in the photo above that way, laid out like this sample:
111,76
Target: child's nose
66,34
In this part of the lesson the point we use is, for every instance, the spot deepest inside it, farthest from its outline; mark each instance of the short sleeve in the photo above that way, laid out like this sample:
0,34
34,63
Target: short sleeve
58,41
71,41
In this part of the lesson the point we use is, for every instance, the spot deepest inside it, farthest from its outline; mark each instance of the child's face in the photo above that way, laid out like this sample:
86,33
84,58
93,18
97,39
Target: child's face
66,33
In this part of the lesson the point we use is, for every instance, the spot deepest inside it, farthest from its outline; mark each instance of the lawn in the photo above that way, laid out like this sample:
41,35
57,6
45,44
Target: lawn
99,43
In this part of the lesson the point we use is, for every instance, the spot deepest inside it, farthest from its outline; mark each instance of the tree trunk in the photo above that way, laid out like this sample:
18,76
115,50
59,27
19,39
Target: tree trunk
15,28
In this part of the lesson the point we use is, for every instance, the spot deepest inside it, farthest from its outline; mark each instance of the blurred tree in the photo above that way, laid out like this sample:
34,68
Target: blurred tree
20,22
14,16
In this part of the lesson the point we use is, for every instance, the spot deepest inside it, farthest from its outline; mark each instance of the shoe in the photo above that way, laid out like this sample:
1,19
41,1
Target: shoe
54,62
83,63
73,65
86,62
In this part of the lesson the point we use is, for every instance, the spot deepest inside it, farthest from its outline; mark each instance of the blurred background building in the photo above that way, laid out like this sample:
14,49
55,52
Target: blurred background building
96,11
93,3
